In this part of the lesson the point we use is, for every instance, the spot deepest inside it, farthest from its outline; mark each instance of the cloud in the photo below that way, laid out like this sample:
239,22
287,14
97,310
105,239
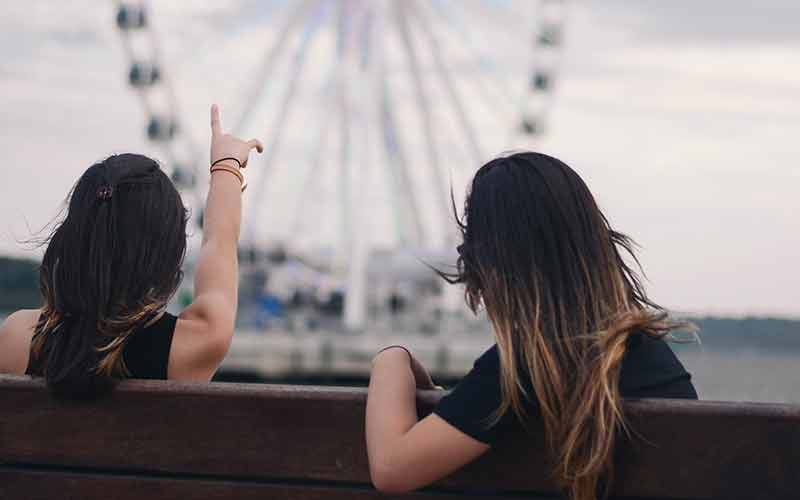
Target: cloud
688,22
681,115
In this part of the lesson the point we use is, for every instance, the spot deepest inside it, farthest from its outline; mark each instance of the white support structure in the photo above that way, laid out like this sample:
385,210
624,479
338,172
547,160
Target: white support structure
357,67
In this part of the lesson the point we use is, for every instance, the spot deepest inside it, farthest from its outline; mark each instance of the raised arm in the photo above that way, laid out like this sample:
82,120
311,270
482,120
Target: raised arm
205,328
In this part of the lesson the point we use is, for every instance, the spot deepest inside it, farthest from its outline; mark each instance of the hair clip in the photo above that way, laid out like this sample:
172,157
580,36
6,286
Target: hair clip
104,192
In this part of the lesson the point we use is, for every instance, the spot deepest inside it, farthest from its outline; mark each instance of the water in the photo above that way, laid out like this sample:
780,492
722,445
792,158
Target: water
736,372
743,374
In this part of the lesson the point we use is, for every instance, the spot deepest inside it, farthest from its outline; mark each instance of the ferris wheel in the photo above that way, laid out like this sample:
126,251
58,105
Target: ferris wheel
373,112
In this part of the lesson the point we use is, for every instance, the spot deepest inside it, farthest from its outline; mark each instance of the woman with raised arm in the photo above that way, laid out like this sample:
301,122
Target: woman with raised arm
575,333
112,265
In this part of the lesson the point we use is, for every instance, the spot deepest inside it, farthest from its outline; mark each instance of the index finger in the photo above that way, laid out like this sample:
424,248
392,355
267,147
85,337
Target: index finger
216,126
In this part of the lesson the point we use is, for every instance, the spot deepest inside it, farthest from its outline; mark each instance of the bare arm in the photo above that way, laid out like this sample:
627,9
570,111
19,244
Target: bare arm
404,453
15,340
205,328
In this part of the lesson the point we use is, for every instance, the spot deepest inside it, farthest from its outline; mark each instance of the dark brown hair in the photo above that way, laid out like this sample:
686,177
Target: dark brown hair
110,266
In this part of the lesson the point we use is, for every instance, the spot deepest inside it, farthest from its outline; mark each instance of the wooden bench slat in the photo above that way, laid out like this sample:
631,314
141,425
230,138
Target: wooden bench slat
35,485
701,449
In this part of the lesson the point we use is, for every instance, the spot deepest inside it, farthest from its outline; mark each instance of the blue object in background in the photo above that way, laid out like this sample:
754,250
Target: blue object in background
269,307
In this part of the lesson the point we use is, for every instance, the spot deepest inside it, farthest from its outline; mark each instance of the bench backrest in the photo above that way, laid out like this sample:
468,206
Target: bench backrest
159,440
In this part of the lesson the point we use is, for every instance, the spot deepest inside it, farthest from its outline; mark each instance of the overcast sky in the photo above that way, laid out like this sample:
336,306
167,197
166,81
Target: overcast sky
682,116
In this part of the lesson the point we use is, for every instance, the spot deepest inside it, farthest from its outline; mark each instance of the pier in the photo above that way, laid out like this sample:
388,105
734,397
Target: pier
278,354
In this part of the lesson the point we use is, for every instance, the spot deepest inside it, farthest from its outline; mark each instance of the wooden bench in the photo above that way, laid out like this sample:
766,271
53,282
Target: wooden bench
158,440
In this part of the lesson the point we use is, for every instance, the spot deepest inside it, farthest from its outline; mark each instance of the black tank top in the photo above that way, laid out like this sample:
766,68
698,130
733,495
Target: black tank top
146,352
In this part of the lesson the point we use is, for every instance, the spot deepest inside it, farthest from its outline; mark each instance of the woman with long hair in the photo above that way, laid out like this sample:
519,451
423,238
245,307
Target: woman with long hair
575,334
112,265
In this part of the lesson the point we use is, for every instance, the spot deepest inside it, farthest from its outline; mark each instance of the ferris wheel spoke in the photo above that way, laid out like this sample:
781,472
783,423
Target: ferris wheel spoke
262,78
447,79
403,195
343,41
424,109
438,66
500,92
364,164
349,12
395,152
281,120
489,18
369,56
317,145
371,67
314,163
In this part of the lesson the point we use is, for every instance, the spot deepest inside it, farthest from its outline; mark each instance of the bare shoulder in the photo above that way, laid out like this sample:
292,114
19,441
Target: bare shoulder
20,324
15,340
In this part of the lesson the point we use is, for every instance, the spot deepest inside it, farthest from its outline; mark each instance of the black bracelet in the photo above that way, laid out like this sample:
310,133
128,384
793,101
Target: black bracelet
228,158
410,356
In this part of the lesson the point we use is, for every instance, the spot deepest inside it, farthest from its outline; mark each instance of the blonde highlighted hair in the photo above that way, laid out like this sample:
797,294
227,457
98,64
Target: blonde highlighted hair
540,256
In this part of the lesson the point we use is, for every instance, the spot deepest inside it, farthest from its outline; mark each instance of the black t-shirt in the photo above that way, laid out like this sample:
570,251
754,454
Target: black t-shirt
649,370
